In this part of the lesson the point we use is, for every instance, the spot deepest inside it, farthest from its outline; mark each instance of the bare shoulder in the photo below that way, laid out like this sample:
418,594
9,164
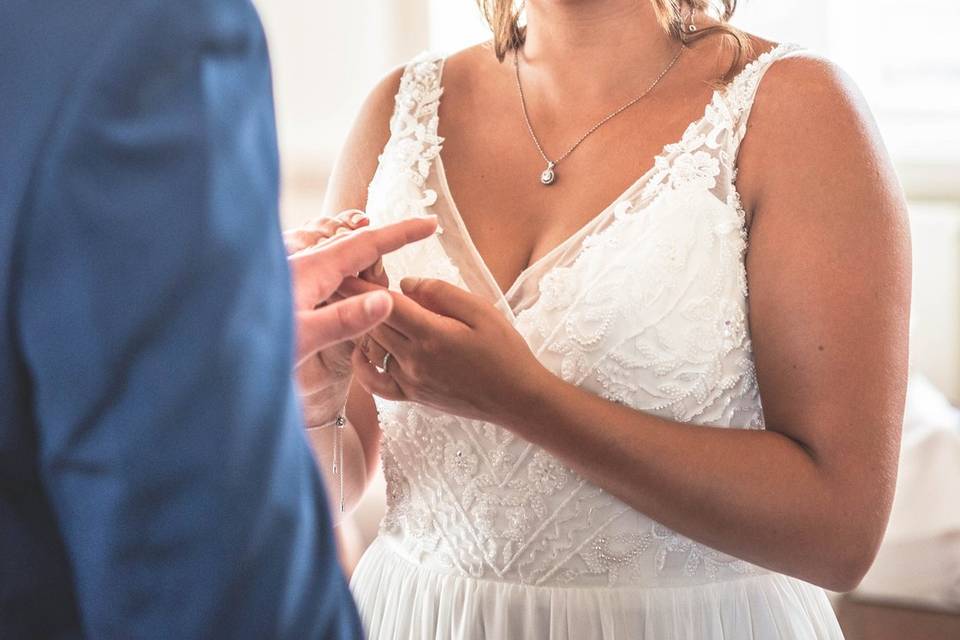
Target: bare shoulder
470,64
811,128
797,93
473,72
805,87
372,125
361,151
463,75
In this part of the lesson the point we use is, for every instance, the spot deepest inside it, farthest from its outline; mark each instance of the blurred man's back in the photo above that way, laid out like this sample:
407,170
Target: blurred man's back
154,480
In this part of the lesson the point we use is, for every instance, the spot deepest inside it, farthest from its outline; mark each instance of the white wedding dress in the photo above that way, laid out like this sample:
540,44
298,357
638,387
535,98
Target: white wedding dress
488,536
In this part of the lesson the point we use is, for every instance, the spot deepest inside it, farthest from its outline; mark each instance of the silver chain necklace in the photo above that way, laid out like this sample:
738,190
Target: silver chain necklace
549,174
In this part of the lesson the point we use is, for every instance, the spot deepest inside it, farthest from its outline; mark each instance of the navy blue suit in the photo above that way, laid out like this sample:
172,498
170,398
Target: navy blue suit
155,481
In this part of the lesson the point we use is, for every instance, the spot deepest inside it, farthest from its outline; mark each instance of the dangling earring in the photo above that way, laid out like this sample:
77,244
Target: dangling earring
692,27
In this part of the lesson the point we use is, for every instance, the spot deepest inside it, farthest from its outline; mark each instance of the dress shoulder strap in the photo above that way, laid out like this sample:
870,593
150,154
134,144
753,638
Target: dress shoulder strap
401,187
409,154
742,90
420,89
417,103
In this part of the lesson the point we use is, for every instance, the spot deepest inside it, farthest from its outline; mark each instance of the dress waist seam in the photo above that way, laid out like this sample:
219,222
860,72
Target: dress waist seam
393,549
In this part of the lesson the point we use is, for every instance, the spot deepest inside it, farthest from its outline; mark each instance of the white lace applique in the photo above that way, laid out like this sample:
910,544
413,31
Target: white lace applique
398,189
649,310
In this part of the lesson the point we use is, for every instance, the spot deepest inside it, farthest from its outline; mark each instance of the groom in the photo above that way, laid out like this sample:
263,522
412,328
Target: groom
154,478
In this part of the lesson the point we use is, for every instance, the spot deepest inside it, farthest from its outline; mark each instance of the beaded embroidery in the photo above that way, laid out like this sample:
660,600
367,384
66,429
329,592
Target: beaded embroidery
650,311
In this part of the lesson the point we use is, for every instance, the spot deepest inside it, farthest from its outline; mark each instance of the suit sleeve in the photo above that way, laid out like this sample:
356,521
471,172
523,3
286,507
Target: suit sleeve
154,318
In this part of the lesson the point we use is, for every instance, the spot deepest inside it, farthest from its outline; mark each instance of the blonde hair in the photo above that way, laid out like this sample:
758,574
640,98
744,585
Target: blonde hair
503,16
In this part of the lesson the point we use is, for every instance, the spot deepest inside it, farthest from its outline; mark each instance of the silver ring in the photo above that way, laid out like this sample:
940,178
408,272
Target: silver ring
385,363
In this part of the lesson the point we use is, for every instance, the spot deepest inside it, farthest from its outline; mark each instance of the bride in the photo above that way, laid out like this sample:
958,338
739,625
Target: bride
567,397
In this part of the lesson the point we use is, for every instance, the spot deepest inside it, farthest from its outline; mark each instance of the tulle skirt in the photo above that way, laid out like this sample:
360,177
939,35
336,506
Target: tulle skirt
399,600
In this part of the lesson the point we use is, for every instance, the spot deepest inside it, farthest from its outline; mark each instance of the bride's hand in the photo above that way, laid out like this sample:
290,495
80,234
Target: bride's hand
450,350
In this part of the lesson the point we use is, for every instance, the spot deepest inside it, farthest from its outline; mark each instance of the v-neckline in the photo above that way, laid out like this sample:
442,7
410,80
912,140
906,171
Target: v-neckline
505,296
484,267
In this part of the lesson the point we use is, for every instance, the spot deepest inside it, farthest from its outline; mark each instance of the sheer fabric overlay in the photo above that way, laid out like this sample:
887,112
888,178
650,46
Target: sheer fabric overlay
487,535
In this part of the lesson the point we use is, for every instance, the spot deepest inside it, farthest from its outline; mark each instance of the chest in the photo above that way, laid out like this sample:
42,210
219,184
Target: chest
491,168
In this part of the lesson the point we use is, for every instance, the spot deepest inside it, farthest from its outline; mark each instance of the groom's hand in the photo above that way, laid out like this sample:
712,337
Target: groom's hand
318,272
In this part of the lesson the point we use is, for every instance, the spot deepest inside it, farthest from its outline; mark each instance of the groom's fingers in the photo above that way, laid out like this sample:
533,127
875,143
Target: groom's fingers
354,252
318,272
340,321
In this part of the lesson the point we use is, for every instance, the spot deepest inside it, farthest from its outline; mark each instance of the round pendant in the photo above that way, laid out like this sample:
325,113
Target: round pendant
548,176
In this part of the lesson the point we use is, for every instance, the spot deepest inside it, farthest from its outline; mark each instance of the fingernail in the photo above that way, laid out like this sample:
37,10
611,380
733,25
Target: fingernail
340,231
357,217
376,304
378,269
409,284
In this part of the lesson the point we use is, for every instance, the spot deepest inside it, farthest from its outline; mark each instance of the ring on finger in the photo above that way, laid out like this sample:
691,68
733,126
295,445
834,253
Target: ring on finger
386,363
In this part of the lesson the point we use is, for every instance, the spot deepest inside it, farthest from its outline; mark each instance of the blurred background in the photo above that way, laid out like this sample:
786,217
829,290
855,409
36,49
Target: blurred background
327,56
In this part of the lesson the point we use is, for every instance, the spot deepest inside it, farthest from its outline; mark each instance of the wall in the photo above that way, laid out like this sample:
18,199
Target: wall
327,55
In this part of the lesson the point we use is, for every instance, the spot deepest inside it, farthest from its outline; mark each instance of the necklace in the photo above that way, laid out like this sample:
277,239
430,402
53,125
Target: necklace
549,174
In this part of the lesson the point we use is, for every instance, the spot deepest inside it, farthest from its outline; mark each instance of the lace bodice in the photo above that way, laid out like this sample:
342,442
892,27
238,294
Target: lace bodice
646,306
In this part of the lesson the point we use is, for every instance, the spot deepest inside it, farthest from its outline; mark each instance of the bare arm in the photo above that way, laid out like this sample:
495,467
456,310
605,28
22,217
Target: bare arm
829,273
830,292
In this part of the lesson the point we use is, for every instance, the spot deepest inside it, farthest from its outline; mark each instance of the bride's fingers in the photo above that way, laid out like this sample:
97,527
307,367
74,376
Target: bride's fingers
335,228
318,230
373,350
296,240
353,218
408,318
389,339
373,381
